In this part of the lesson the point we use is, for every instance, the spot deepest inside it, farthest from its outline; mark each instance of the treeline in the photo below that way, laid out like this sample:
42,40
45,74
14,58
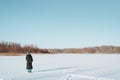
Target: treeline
101,49
11,47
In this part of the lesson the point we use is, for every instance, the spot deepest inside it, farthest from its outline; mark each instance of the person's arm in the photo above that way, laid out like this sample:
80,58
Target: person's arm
31,58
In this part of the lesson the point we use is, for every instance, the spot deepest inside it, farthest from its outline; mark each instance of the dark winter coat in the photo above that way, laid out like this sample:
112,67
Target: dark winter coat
29,60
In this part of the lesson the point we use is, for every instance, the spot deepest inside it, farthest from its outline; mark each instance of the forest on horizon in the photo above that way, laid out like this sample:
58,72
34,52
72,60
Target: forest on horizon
12,47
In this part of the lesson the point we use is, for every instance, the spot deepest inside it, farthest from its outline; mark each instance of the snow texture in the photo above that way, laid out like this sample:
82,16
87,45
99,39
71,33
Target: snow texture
62,67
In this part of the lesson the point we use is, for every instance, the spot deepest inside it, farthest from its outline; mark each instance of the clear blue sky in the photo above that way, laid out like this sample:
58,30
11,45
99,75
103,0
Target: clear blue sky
60,23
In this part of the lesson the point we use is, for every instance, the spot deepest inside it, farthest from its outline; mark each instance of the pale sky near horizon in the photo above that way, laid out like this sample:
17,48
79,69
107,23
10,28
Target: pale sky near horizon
60,23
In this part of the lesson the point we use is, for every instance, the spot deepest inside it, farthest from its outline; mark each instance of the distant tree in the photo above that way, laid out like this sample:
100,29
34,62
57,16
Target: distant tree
12,47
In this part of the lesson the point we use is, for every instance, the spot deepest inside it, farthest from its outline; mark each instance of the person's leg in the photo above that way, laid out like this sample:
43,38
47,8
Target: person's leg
29,70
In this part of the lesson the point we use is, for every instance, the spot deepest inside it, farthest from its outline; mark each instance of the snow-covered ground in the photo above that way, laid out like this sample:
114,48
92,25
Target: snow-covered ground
62,67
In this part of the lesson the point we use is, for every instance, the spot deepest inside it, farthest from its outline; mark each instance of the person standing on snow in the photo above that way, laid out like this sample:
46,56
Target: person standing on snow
29,60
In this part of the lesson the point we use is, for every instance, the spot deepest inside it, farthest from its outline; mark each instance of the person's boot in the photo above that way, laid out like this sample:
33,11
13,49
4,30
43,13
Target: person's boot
29,70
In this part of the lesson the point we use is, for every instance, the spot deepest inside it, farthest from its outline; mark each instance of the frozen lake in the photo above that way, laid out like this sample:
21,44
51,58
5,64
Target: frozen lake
62,67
